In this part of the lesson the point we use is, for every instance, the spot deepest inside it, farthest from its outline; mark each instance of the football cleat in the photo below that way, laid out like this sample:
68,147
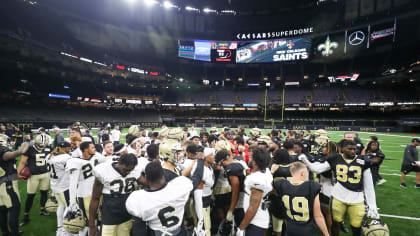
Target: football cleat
375,228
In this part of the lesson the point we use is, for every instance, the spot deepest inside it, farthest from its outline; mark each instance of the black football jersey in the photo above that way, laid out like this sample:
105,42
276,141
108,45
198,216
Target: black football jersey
170,175
283,172
8,170
36,161
349,173
298,202
236,169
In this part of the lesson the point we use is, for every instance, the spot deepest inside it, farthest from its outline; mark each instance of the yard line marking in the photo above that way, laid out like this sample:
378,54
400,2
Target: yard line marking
400,217
388,135
394,174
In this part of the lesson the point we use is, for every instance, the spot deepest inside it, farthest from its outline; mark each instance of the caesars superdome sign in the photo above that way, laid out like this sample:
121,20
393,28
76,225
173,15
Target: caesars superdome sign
274,34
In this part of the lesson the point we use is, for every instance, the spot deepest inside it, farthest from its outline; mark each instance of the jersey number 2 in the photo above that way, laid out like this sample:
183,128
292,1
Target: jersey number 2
167,221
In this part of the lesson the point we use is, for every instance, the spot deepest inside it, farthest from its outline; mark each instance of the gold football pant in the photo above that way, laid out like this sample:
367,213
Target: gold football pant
356,212
122,229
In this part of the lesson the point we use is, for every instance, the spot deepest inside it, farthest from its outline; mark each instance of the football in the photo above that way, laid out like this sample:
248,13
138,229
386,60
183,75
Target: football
25,173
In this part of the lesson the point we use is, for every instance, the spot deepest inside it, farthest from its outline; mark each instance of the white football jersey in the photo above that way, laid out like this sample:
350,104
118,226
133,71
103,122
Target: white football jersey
113,182
76,153
208,179
260,181
141,164
162,210
113,158
86,178
222,183
59,178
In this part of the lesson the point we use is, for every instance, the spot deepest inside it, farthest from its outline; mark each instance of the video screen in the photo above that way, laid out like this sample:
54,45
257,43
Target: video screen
202,50
273,50
186,49
223,51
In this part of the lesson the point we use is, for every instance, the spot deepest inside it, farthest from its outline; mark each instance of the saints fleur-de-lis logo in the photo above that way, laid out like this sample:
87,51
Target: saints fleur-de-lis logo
327,47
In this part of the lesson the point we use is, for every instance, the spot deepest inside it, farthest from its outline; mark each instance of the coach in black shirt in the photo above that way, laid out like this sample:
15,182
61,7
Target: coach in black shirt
411,162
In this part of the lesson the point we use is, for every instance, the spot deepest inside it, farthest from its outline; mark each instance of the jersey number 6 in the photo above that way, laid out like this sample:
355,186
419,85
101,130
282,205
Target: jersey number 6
167,221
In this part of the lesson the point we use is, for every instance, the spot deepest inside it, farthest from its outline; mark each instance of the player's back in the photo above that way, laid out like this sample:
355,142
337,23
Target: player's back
59,178
162,209
298,201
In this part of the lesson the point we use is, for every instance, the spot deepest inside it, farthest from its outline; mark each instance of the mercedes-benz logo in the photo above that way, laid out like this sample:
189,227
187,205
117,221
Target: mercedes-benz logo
356,38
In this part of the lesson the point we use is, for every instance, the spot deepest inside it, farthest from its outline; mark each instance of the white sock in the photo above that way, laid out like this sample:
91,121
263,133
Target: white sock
60,215
84,231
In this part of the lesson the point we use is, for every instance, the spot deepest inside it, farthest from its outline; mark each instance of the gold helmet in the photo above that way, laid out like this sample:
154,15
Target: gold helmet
164,132
264,139
255,132
213,130
223,145
169,151
375,228
176,134
51,205
41,141
321,132
134,130
321,137
74,221
4,144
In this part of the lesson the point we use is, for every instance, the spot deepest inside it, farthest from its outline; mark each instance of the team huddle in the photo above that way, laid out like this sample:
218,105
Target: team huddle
187,182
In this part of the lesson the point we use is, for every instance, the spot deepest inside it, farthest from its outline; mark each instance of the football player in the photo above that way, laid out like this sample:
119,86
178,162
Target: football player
411,162
81,178
170,153
354,186
9,192
376,157
235,173
301,202
114,181
160,207
257,186
108,148
59,178
280,169
35,159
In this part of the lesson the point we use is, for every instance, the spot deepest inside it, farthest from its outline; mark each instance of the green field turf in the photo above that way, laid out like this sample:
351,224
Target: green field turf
391,199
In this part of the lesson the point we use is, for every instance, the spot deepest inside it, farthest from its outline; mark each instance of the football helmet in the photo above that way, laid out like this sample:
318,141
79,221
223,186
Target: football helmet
4,144
375,228
226,228
176,134
51,205
255,132
213,130
164,132
321,137
134,130
41,141
170,151
74,221
264,139
223,145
